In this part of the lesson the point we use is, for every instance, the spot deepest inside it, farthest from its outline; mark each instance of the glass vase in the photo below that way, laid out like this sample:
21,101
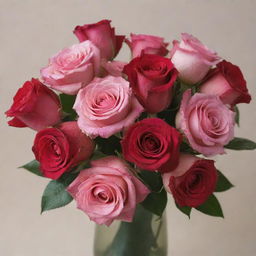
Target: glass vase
145,236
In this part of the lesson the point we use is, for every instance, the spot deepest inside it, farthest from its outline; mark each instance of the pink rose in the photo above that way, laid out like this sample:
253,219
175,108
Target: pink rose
207,123
192,182
108,191
34,106
106,106
192,58
227,81
113,68
148,44
72,68
103,36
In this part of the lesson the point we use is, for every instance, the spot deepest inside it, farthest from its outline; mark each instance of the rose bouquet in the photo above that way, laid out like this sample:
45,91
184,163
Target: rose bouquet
121,135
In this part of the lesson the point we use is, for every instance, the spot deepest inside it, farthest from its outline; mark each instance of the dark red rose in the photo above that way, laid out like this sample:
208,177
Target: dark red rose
152,78
152,145
102,35
34,106
61,148
192,182
227,82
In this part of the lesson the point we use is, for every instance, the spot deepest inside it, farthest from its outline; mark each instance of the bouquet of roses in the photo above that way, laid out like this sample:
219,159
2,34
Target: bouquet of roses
121,134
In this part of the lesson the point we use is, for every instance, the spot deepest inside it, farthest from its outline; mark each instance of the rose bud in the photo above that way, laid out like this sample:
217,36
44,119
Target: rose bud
192,182
103,36
227,81
106,106
206,122
192,58
72,68
61,148
34,106
148,44
152,145
152,79
108,191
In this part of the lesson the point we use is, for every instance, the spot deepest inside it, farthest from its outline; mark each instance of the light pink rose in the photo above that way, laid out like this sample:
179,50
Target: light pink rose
106,106
207,123
192,58
148,44
108,191
113,68
72,68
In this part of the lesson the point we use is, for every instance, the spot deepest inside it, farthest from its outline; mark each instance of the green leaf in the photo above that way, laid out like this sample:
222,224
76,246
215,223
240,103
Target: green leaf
223,183
55,194
108,146
67,102
237,116
156,202
34,167
211,207
185,209
152,179
185,148
241,144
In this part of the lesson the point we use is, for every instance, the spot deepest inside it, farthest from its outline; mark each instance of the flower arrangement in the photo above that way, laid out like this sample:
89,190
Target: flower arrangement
120,134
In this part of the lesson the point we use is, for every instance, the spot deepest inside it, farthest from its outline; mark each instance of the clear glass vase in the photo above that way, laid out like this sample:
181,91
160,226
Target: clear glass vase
145,236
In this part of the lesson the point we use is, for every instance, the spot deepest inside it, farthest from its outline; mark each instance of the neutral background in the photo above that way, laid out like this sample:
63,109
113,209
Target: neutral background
32,31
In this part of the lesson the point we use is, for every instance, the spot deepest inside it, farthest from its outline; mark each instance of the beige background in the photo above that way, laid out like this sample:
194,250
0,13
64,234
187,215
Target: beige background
33,30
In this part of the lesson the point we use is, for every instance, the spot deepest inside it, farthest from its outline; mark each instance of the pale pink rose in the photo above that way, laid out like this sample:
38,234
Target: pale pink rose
106,106
148,44
72,68
207,123
108,191
113,68
192,58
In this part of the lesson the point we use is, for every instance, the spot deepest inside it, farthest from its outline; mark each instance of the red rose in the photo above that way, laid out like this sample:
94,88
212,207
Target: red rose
61,148
103,36
152,78
227,82
152,145
34,106
192,182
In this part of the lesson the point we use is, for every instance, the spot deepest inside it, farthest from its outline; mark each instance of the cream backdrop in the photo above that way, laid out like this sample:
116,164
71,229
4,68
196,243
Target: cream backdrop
33,30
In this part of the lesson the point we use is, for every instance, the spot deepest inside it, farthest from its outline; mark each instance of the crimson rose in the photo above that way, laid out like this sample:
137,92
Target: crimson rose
102,35
61,148
152,78
152,145
34,106
227,82
192,182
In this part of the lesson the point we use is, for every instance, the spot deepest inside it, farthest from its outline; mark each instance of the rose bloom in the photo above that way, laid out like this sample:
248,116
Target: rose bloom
103,36
227,81
206,122
148,44
106,106
192,182
34,106
108,191
61,148
113,68
72,68
152,79
152,145
192,58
